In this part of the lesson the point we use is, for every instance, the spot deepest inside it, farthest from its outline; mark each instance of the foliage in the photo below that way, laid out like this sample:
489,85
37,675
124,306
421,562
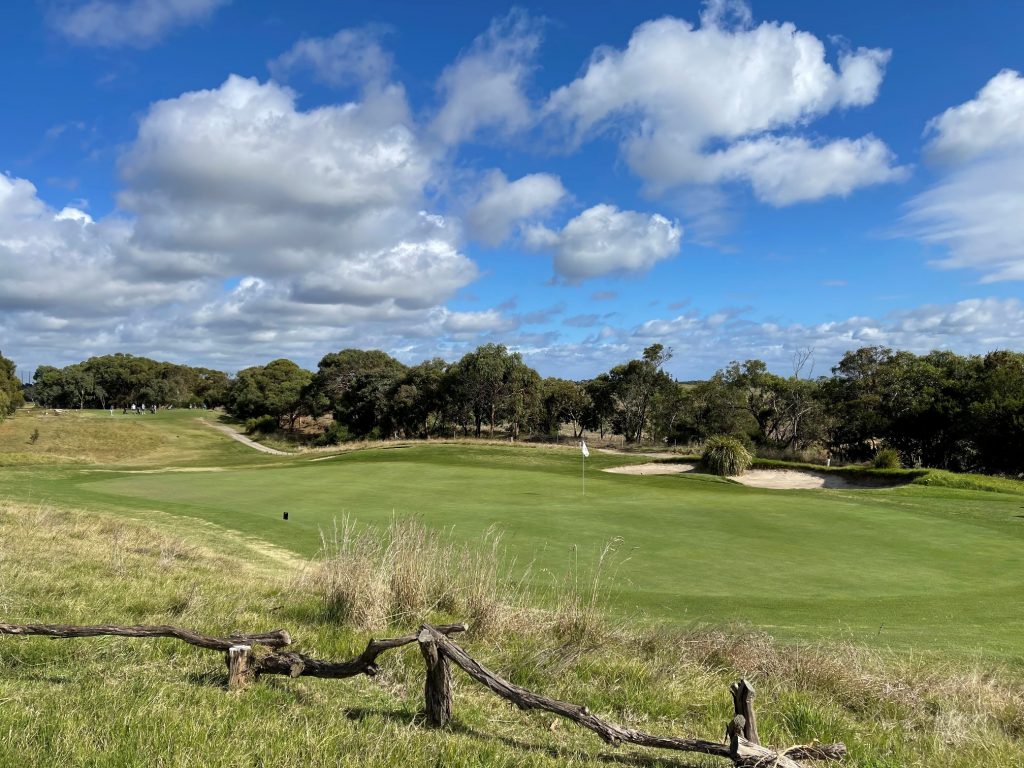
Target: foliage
10,388
492,385
887,458
563,402
726,456
263,425
356,386
275,389
118,381
635,386
334,434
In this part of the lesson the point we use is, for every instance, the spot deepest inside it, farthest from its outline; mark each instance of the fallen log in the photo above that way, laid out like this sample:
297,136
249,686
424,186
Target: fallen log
743,753
298,665
277,638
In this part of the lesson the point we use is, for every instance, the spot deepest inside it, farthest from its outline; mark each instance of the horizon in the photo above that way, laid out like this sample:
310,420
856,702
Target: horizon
220,185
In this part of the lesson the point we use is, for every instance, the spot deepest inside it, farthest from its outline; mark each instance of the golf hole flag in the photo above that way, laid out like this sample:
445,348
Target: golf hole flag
583,447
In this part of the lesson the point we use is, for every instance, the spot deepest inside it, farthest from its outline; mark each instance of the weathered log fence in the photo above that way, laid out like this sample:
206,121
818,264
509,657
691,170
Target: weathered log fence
742,745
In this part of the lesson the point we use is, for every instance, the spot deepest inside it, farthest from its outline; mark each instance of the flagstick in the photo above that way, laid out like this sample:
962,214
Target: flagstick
584,475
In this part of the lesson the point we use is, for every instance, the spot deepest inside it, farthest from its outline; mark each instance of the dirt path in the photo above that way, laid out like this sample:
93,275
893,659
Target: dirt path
244,440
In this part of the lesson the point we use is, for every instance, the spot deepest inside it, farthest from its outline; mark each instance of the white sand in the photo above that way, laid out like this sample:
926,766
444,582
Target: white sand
651,469
789,479
779,479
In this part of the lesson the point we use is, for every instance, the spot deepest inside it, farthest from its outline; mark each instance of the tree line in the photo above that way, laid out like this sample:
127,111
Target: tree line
963,413
122,380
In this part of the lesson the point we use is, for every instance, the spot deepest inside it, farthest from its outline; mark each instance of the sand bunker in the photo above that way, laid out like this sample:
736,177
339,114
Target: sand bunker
790,479
779,479
159,471
652,469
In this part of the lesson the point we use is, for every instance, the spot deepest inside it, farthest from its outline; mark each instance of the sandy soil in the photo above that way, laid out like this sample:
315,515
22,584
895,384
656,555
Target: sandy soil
789,479
160,471
652,469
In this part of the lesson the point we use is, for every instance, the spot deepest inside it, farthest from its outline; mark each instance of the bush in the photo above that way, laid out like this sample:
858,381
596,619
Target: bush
887,458
726,456
265,425
334,434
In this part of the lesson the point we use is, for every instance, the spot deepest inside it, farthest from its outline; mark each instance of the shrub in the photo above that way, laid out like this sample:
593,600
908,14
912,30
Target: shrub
34,437
334,434
726,456
887,458
264,425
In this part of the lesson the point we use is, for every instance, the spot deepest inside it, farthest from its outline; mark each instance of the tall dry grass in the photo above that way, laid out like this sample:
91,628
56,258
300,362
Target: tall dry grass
371,579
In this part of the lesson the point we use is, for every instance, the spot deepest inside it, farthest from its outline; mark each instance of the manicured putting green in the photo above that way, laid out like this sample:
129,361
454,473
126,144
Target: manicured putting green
918,567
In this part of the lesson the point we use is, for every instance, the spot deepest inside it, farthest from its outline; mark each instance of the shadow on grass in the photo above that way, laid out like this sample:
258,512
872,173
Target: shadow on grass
399,716
645,759
208,679
404,717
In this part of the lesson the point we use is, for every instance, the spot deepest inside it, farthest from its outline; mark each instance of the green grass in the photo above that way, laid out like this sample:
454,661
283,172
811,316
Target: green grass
899,609
913,567
117,702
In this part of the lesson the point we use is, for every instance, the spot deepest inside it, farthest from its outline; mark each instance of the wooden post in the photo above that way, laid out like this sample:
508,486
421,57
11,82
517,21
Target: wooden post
743,704
437,690
240,666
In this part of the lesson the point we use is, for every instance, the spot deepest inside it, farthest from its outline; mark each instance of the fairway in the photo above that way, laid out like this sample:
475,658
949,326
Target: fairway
908,567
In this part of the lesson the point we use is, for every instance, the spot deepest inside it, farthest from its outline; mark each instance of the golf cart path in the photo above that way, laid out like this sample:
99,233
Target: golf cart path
243,439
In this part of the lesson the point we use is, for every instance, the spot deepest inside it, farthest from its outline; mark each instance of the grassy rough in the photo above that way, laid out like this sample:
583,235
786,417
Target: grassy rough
116,702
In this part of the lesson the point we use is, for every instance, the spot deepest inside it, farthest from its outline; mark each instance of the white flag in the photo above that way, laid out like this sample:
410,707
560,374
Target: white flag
586,453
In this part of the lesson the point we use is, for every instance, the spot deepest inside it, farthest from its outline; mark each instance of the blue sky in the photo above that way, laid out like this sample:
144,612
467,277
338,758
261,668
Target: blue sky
225,183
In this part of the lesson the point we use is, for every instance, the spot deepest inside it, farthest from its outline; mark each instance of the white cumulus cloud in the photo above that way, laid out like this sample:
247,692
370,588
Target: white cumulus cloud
993,121
604,240
501,204
485,87
975,210
256,186
701,105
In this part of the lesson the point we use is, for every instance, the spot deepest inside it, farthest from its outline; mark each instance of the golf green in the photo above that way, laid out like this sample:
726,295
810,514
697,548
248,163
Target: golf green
928,568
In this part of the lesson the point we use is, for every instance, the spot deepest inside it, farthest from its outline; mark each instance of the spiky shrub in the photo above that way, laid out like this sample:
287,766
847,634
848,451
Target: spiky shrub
887,458
726,456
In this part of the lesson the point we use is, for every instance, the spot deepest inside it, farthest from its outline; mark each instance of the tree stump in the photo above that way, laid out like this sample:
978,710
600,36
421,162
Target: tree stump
743,704
437,689
240,666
